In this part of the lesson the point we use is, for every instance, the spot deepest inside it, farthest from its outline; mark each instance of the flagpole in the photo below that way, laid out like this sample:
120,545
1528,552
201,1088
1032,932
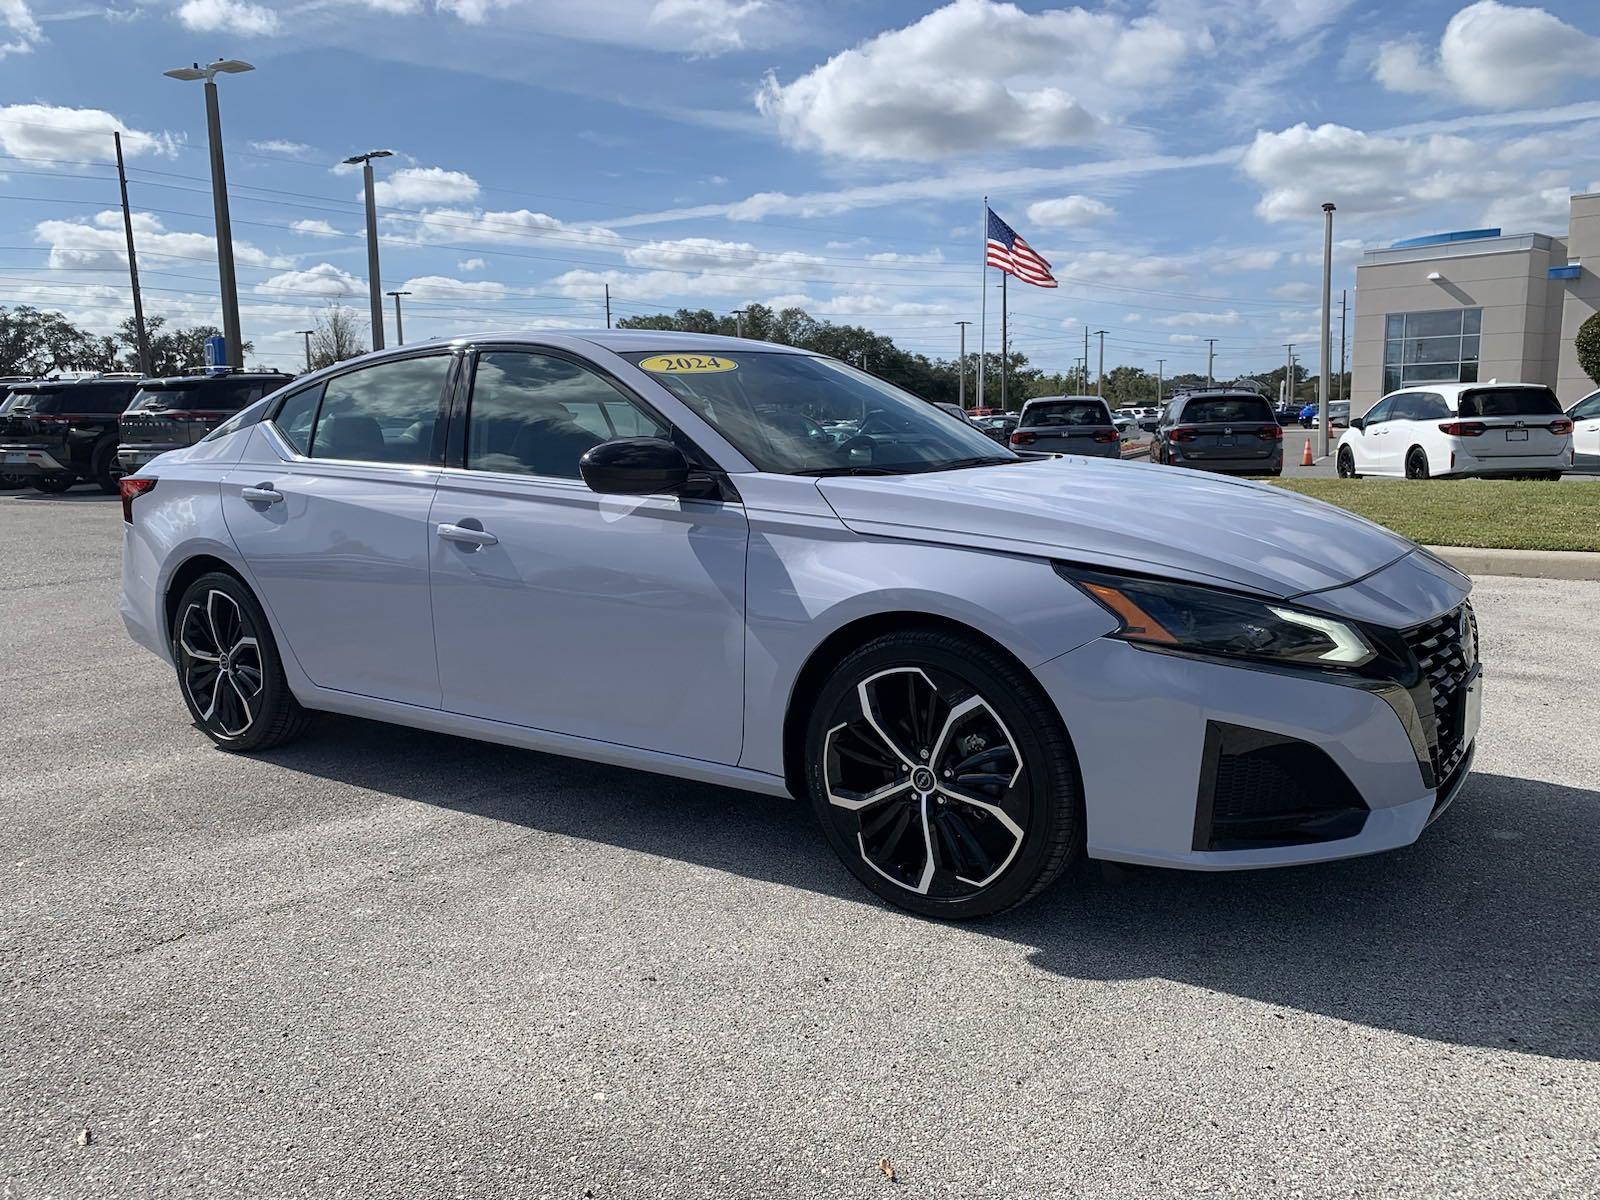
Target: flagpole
983,296
1005,349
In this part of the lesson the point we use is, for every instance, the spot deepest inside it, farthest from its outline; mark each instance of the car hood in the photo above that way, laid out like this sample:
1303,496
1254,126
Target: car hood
1131,516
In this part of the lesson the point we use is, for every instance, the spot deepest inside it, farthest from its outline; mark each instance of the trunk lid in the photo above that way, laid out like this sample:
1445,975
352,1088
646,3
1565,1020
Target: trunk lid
1516,422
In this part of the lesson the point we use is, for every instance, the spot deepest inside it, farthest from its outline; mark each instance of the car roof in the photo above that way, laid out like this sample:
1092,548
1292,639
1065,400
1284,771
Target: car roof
1053,399
620,341
51,385
220,377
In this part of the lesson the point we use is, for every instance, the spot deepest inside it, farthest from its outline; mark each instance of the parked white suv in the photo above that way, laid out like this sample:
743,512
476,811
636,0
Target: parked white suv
1460,429
1585,415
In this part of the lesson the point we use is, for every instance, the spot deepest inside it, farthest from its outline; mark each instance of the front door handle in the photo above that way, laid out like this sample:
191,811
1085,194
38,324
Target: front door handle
470,537
265,494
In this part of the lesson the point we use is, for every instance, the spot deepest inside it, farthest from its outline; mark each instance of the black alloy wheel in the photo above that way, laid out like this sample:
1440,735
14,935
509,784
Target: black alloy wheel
228,667
105,468
1416,463
1347,463
943,776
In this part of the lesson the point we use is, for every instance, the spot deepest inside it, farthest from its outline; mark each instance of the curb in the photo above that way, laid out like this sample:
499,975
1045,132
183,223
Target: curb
1525,564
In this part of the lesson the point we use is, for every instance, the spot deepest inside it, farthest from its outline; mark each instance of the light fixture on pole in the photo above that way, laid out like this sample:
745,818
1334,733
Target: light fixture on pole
1327,330
961,366
306,333
219,197
738,322
399,325
374,284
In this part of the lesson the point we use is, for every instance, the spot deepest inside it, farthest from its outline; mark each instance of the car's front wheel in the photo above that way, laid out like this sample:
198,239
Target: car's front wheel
228,667
943,776
1347,463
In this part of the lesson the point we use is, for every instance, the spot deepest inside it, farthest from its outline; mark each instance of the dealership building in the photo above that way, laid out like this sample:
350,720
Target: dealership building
1479,304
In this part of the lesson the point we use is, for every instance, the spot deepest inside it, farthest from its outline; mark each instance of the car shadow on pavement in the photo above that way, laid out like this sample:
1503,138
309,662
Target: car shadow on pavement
77,496
1485,933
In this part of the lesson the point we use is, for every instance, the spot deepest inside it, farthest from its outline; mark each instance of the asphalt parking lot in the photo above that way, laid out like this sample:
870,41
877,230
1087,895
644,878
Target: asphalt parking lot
388,963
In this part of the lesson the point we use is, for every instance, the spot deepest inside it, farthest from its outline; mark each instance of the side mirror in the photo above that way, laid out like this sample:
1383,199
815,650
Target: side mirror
637,466
1357,422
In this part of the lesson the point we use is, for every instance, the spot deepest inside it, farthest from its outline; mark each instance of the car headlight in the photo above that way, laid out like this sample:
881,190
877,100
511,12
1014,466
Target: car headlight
1199,620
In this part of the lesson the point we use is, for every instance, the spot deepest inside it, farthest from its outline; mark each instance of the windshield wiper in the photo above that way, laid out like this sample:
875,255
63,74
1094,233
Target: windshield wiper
958,464
820,472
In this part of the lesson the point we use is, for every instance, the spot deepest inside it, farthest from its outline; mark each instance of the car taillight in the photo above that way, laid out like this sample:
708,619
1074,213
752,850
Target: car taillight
1022,438
1273,433
1184,434
1104,437
1560,425
47,419
131,486
1463,428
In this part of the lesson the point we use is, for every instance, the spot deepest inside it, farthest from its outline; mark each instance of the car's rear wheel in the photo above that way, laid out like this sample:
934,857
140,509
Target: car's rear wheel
105,468
1347,463
1416,463
228,667
54,484
943,776
10,483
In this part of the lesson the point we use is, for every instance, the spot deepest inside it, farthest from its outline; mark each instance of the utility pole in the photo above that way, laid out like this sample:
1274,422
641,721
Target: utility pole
738,322
1288,372
608,306
228,284
961,365
374,284
399,325
1211,362
1100,383
1344,295
133,265
307,335
1327,330
1086,358
1161,370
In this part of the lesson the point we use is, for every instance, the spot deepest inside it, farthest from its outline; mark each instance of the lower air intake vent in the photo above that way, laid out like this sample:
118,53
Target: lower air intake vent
1260,789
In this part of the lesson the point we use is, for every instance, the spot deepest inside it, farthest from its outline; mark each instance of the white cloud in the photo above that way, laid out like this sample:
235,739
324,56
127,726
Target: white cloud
1295,291
228,16
713,26
98,242
471,264
519,228
47,131
443,288
282,146
1492,55
1544,210
425,185
314,228
1208,320
1184,339
977,75
1116,265
1229,262
324,281
1069,210
699,27
16,16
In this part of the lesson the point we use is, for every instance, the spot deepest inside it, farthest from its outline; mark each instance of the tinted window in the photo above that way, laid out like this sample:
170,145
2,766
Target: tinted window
1585,409
295,417
533,414
1067,412
1209,410
385,413
1510,402
1382,410
210,397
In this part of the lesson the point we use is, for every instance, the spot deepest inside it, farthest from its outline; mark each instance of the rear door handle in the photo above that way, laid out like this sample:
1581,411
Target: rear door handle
265,494
470,537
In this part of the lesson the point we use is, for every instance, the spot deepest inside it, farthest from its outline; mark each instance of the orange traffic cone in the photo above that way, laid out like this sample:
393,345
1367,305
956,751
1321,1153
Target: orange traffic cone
1305,459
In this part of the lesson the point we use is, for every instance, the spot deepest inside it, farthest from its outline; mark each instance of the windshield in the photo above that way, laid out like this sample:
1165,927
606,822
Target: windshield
798,414
1228,409
42,401
1066,412
1510,402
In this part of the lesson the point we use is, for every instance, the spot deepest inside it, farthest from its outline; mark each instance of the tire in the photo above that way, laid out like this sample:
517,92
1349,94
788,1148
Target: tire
987,844
10,483
1346,463
105,463
54,485
1416,463
246,705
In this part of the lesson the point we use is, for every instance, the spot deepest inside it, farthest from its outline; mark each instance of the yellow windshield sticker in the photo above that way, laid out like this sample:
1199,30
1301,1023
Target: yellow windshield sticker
688,364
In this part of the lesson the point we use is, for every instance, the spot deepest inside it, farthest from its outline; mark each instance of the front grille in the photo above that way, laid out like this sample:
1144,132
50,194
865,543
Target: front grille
1446,650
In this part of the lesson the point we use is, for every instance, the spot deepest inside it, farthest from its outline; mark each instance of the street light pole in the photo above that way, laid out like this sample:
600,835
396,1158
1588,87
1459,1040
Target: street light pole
1100,383
307,334
738,322
1211,362
374,284
133,264
1288,372
1327,333
219,198
1161,370
961,366
399,325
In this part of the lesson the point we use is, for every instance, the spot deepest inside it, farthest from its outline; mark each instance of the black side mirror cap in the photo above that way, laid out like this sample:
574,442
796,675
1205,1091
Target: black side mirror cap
636,466
1355,422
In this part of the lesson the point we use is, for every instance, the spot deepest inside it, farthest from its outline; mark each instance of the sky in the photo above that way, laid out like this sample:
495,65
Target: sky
1169,157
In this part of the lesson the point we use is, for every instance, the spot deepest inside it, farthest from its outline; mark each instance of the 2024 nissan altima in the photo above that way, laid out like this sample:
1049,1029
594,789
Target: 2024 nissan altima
627,546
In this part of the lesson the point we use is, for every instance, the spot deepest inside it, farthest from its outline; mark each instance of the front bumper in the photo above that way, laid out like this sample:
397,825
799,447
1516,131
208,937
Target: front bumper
30,460
1146,792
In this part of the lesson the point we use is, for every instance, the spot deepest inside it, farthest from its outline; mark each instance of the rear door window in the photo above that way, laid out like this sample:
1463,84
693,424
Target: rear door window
1510,402
385,413
1067,412
1228,410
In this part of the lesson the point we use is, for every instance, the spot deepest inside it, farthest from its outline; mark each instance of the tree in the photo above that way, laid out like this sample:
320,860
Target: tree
33,342
1587,344
338,337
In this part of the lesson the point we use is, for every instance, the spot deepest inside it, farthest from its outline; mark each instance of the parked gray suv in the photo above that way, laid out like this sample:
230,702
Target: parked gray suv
1220,431
1068,425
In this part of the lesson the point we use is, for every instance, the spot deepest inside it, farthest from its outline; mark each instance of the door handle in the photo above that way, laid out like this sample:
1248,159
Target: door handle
466,536
265,494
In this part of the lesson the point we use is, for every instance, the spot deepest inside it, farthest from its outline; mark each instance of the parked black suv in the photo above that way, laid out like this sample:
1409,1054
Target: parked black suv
1222,430
54,432
8,480
170,413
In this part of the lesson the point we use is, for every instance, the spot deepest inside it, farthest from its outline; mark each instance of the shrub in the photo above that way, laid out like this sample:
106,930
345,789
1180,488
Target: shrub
1588,346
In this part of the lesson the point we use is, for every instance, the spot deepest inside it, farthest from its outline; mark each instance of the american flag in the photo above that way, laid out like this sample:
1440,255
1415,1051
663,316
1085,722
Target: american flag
1004,248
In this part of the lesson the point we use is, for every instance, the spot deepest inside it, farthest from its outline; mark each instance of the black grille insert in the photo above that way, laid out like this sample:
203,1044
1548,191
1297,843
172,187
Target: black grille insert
1260,789
1447,651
